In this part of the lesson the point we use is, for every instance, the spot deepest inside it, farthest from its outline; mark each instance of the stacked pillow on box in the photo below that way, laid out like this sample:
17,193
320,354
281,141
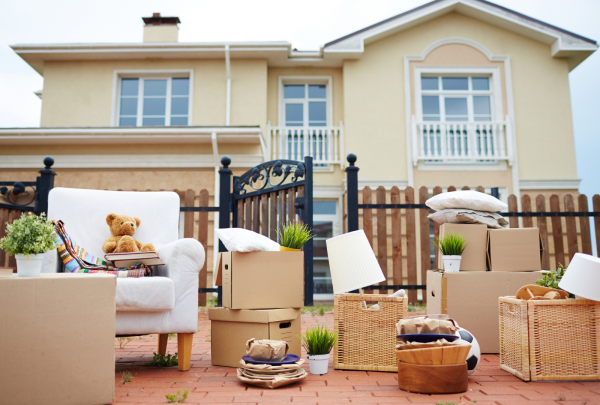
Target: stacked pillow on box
467,207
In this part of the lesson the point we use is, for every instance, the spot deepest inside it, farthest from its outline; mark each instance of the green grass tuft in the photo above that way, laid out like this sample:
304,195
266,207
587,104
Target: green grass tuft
451,245
163,361
179,397
126,377
318,340
294,235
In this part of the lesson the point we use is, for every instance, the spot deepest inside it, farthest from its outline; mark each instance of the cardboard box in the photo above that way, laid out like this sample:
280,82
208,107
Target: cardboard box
471,298
518,249
261,280
57,334
231,328
473,258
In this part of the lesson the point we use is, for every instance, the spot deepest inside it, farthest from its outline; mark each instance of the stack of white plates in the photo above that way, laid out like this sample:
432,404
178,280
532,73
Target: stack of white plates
272,374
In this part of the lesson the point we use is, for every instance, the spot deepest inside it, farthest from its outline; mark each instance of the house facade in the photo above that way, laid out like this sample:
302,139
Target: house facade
455,92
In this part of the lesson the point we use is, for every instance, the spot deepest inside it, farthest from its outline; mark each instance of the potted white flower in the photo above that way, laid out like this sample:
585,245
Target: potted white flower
28,238
318,342
452,247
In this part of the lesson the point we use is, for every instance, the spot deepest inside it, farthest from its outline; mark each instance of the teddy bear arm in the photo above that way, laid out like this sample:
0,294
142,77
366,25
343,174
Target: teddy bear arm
110,244
147,247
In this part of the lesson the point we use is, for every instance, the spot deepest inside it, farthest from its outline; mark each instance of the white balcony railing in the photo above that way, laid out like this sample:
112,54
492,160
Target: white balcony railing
324,144
461,142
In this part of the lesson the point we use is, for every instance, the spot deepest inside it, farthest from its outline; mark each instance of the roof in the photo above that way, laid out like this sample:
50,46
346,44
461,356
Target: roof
563,44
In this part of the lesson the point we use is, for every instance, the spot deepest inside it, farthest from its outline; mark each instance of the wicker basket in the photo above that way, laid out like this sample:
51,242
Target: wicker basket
367,338
550,340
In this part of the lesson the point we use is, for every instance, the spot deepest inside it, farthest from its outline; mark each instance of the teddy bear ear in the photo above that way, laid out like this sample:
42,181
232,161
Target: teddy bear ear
137,221
110,218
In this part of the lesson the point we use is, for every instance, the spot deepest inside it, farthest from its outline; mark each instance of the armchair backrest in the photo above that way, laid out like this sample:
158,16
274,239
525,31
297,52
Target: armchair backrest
84,214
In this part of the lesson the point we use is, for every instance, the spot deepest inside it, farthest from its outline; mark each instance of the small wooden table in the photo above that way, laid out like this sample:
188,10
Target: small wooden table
57,335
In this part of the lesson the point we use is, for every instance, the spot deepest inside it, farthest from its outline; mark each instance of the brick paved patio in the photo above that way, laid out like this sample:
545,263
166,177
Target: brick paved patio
208,384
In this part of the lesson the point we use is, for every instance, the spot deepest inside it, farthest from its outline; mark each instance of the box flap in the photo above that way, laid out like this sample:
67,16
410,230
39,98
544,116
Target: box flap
253,315
218,273
517,249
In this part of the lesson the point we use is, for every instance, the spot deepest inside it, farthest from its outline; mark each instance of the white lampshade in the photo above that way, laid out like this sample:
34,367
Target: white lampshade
352,263
582,277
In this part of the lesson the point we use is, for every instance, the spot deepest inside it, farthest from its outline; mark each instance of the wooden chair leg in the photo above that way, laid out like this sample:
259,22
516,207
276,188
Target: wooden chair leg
184,350
163,338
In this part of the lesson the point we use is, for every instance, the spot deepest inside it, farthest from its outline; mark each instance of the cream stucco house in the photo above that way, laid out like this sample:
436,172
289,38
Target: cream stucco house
455,92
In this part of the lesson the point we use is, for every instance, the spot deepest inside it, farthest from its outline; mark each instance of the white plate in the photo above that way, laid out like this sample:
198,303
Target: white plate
270,371
300,373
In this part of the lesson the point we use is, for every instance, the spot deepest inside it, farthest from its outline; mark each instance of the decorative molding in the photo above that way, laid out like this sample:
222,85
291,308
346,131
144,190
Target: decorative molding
125,161
461,167
328,190
387,184
550,184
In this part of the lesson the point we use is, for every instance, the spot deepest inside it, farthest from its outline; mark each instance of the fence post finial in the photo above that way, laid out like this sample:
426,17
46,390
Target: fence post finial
225,161
44,184
351,158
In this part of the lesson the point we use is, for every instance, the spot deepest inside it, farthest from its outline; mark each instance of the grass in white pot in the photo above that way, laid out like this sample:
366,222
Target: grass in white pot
27,237
451,245
318,342
294,235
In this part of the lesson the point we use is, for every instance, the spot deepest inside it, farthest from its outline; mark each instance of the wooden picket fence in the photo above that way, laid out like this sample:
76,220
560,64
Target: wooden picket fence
406,251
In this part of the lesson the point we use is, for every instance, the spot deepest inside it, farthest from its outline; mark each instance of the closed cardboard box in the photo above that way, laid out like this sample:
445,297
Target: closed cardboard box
471,298
231,328
518,249
473,258
261,280
57,334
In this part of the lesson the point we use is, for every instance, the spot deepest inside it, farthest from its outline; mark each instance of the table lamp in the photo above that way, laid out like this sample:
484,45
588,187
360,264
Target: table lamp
582,277
352,263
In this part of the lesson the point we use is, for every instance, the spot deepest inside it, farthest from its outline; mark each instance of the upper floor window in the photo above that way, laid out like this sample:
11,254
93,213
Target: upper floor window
305,105
154,101
456,98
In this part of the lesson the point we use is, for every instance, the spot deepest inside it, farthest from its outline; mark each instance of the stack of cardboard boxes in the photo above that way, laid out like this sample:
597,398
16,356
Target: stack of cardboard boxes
496,263
263,293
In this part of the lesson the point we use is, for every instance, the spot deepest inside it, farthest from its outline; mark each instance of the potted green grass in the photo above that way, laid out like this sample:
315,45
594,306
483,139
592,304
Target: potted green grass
452,247
28,238
294,236
318,342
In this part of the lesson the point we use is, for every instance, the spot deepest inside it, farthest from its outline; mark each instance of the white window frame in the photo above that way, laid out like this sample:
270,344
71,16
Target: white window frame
336,230
495,91
320,80
149,75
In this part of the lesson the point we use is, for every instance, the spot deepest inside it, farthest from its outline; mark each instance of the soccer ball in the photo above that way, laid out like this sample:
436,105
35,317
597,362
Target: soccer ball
474,355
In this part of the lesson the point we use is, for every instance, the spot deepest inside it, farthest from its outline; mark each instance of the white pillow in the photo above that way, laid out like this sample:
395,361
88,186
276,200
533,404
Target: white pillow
469,199
243,240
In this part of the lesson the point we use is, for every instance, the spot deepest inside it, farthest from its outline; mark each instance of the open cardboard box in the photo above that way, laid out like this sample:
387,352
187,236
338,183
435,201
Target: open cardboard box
471,299
261,280
518,249
473,258
232,328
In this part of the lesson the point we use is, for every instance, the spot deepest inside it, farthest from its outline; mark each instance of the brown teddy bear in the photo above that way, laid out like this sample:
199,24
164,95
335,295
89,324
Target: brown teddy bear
122,228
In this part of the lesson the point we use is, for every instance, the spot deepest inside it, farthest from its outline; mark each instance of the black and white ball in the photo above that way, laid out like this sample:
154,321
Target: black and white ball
474,355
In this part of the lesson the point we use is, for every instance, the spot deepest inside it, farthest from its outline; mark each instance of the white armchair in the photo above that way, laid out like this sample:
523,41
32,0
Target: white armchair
166,303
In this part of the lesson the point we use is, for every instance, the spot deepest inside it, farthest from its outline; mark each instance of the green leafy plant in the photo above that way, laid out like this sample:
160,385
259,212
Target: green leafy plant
294,235
451,245
318,340
126,377
552,278
179,397
163,361
29,235
123,340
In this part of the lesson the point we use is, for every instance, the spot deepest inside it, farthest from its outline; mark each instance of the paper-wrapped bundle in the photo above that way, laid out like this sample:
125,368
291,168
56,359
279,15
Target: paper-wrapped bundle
429,345
266,350
426,325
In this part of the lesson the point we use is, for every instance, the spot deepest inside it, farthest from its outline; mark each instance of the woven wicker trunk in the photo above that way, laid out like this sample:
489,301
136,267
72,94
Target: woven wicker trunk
367,338
550,340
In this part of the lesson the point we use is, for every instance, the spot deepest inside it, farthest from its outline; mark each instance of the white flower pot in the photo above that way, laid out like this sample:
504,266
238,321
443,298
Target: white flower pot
318,363
29,266
451,263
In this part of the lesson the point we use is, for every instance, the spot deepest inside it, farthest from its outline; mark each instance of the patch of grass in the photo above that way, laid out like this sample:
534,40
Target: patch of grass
317,309
561,397
163,361
211,302
318,340
418,307
124,340
171,335
126,377
179,397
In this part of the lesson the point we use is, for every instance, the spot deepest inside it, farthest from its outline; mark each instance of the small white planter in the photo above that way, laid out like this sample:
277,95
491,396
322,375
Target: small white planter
318,363
451,263
29,266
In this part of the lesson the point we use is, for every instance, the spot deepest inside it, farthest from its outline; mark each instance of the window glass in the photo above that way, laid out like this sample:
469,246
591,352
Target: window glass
179,121
431,108
456,109
155,88
317,91
153,121
293,91
317,116
129,106
155,106
455,83
429,83
323,230
127,122
480,83
324,207
180,87
481,108
129,87
294,115
179,106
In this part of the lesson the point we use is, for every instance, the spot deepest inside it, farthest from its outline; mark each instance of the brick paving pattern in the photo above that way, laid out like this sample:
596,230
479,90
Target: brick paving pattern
210,384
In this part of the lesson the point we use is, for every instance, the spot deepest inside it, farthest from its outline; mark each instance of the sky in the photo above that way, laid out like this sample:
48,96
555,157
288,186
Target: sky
307,24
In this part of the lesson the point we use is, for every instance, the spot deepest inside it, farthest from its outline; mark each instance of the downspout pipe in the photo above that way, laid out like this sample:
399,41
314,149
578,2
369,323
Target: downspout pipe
228,103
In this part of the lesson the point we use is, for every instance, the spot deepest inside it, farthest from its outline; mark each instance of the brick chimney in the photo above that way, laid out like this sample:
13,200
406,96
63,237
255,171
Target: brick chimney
161,29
